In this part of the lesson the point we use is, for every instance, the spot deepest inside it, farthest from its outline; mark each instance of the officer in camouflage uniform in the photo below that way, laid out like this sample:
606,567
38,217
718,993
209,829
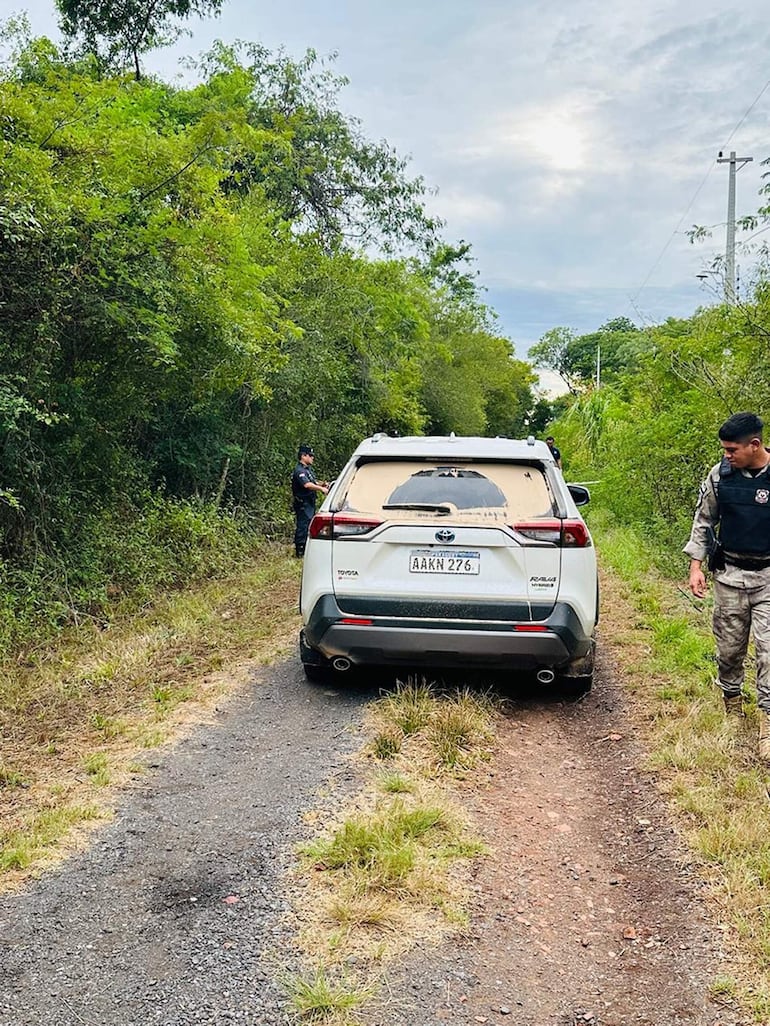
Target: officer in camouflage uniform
732,528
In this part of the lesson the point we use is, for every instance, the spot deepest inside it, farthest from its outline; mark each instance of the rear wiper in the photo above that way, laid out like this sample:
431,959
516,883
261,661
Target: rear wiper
430,507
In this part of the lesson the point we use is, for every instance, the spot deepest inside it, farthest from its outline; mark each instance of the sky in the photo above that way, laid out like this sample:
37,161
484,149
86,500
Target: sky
572,144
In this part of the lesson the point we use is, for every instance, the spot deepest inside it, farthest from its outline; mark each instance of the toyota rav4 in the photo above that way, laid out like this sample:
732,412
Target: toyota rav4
451,552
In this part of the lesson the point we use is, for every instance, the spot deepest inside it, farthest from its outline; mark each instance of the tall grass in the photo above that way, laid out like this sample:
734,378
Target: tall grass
706,763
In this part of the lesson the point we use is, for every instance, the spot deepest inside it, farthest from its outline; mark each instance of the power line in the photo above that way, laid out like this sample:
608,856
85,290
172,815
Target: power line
675,231
751,108
697,193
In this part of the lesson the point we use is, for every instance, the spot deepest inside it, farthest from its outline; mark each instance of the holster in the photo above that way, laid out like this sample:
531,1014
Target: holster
715,557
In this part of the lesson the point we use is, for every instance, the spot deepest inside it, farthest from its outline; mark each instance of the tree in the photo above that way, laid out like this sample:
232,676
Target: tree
117,32
618,343
315,164
552,352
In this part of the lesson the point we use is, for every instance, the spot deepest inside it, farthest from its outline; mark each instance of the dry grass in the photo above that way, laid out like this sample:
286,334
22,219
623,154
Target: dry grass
706,764
392,865
75,717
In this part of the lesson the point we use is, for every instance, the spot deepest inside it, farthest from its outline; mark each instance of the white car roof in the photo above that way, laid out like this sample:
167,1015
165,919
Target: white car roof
454,446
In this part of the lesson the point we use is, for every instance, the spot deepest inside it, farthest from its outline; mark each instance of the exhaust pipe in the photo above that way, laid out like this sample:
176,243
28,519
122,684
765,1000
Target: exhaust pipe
546,676
341,664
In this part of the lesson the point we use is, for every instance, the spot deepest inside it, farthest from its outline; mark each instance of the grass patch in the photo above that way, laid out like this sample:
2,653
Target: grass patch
456,726
11,778
387,743
95,766
393,866
706,762
409,707
382,846
396,783
319,998
20,849
459,730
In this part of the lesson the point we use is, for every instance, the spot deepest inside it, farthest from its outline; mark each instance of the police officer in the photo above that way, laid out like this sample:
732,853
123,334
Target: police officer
734,502
556,453
303,491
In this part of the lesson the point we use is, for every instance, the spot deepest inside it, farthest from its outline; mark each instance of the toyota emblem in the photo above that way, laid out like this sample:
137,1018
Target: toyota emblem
445,536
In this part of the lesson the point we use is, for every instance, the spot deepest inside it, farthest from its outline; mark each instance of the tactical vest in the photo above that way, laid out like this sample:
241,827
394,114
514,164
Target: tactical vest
744,511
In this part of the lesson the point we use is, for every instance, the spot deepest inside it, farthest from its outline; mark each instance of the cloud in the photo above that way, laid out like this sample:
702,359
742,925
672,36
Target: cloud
567,140
468,209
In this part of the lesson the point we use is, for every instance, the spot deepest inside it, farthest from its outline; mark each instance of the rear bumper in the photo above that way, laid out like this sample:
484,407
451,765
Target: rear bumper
388,640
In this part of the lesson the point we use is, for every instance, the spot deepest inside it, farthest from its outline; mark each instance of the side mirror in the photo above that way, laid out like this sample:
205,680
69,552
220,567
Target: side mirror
580,494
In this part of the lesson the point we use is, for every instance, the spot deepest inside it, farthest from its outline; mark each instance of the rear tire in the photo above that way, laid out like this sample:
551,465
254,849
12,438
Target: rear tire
576,687
316,674
316,667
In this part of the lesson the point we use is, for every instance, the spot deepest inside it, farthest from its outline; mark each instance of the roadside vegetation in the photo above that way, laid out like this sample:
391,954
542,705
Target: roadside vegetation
194,281
705,763
80,717
391,866
645,436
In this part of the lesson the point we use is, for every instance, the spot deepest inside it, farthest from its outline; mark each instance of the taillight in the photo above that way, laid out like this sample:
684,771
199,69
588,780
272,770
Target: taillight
565,533
341,525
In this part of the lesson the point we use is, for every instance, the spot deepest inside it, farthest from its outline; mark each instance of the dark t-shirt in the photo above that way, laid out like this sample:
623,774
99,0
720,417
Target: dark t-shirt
556,453
303,496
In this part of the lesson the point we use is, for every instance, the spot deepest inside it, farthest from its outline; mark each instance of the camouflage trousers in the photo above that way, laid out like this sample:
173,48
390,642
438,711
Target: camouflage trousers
737,613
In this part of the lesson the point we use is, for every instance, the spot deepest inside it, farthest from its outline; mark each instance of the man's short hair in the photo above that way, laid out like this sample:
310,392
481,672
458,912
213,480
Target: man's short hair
306,450
741,427
549,438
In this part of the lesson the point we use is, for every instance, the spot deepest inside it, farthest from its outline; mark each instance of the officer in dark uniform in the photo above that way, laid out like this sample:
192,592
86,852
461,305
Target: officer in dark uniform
556,453
303,491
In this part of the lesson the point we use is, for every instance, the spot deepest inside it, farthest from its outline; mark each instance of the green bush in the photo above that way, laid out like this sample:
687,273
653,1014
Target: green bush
118,555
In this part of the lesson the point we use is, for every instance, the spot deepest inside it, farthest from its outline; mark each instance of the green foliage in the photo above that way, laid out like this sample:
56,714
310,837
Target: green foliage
616,348
116,554
185,299
383,845
649,435
315,165
117,33
318,997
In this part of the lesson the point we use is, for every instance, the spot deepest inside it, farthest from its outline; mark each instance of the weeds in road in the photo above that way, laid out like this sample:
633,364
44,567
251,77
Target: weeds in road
455,728
74,716
409,707
395,783
393,865
96,766
706,763
320,998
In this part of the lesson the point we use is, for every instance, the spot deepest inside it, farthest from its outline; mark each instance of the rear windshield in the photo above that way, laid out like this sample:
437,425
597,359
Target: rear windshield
400,489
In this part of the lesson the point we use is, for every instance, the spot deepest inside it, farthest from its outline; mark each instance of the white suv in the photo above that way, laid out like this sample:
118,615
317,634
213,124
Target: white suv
451,552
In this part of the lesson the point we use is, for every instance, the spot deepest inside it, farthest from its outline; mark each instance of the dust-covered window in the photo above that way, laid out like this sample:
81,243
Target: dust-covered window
400,489
464,489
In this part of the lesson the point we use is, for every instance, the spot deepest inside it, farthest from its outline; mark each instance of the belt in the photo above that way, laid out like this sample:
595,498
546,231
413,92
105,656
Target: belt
760,563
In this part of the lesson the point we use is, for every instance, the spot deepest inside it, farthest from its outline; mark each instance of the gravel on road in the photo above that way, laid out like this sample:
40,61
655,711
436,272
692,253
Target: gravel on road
177,914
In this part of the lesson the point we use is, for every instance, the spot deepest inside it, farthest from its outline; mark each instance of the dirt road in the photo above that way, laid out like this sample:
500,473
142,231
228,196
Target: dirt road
177,915
587,912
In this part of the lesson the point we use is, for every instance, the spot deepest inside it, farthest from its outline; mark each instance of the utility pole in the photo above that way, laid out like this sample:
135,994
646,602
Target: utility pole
733,161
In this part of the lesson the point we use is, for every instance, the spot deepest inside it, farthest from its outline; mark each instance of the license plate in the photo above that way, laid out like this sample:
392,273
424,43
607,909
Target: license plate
444,561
